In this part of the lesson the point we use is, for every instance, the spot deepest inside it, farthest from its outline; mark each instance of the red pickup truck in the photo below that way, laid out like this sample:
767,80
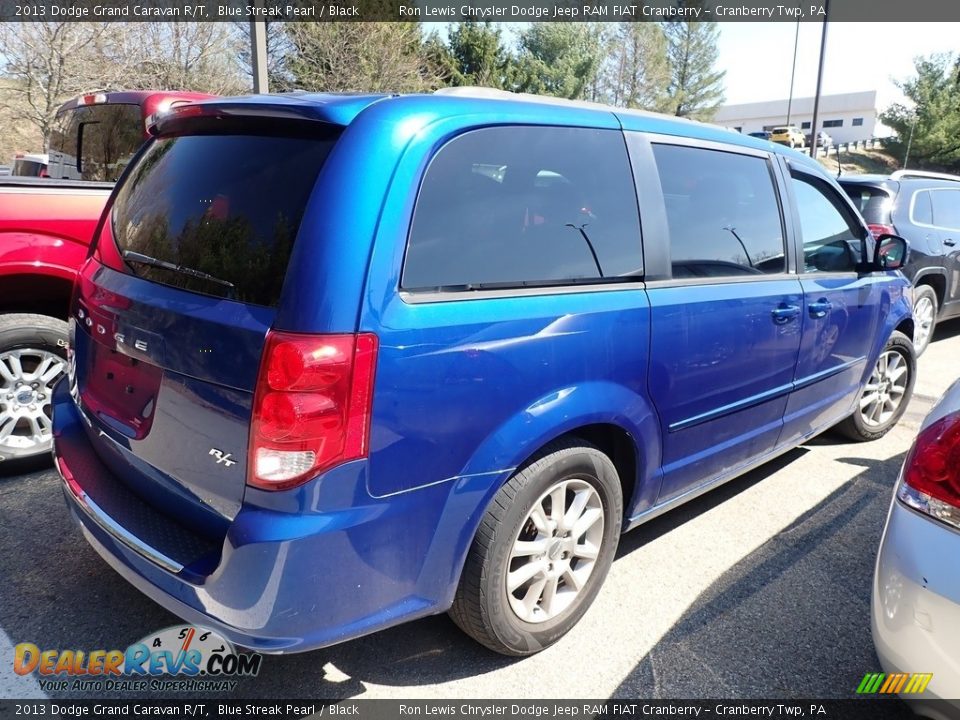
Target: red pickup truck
45,231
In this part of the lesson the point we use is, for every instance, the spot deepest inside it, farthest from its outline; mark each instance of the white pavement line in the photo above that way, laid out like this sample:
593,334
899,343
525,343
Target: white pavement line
13,686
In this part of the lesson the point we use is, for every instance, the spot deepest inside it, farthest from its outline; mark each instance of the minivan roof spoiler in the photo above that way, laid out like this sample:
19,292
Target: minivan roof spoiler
901,174
317,107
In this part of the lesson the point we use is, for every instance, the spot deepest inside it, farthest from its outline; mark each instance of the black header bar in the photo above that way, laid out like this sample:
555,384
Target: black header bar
495,10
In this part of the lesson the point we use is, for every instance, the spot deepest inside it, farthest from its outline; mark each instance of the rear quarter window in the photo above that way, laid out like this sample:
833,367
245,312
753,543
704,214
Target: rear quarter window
218,214
921,210
515,206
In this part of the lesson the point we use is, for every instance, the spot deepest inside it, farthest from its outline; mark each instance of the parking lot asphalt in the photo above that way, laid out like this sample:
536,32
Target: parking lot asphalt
759,589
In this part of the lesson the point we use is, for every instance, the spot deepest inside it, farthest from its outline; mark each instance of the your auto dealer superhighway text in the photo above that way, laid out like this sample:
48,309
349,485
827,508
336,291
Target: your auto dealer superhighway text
188,709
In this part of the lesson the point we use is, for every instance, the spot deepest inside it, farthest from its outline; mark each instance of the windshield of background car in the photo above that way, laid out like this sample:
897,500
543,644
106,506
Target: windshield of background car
28,168
95,142
218,214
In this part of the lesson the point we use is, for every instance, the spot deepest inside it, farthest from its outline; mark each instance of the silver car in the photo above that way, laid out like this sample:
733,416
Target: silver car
916,589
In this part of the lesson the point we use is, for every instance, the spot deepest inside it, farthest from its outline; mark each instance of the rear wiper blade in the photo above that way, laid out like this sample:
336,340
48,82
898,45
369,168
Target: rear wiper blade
135,257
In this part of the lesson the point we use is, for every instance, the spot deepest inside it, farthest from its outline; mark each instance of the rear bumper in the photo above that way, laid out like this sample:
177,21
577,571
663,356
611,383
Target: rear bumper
916,607
300,570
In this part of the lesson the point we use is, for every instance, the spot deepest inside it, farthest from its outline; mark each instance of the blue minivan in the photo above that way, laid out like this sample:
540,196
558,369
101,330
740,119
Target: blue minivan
342,361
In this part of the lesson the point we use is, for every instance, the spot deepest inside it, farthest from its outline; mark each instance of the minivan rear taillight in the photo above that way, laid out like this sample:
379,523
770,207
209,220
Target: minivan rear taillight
311,407
931,473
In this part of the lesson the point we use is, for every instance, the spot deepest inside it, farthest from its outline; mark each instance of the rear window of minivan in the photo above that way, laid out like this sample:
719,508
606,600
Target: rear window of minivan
218,214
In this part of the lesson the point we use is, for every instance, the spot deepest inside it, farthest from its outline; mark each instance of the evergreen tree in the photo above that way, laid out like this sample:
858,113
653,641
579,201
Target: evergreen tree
560,59
934,121
696,87
479,56
636,73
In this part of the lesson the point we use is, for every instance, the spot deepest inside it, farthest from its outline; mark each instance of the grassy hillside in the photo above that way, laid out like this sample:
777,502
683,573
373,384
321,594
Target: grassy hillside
861,161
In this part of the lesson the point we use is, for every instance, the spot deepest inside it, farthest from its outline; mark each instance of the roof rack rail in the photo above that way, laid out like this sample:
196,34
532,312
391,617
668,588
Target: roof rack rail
901,174
476,91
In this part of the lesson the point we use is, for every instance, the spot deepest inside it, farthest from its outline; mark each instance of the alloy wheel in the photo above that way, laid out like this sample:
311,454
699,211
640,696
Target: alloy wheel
922,323
555,551
885,389
27,377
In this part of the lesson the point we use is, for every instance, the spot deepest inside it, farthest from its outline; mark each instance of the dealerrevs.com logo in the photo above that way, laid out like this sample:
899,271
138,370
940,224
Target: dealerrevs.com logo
184,657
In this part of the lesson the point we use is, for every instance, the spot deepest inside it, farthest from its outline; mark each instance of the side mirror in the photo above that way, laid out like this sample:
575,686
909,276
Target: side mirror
890,253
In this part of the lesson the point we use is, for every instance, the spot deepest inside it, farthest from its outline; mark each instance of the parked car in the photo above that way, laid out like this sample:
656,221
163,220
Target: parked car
823,140
925,209
299,413
30,165
45,232
916,598
761,134
789,135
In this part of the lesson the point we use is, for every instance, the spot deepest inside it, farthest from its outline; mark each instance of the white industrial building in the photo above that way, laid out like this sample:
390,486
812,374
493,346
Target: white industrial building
845,118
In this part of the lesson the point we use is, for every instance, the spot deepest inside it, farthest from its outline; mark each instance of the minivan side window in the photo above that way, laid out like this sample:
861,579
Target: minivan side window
518,206
946,208
832,238
722,213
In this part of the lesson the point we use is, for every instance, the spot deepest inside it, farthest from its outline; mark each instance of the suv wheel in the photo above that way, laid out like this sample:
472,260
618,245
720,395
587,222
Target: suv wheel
887,392
32,360
924,317
542,550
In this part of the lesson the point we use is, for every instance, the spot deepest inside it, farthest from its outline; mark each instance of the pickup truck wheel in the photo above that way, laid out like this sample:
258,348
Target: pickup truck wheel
885,396
33,351
542,550
924,317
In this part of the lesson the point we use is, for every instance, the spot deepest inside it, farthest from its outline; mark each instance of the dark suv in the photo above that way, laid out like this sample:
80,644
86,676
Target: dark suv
925,209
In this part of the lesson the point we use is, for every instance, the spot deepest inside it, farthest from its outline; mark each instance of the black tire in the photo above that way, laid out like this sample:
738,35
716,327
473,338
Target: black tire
924,292
482,607
28,332
859,428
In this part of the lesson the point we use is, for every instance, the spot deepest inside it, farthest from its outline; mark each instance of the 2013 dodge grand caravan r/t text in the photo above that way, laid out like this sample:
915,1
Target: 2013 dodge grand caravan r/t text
343,361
